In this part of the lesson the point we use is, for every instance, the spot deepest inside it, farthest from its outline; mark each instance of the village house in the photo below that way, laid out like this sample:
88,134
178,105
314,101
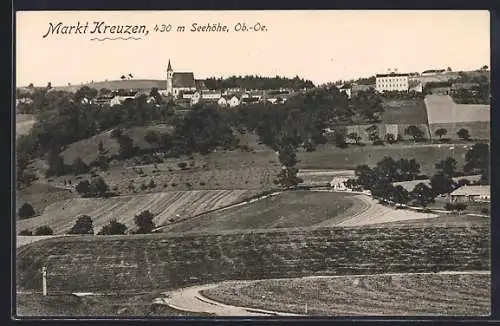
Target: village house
472,193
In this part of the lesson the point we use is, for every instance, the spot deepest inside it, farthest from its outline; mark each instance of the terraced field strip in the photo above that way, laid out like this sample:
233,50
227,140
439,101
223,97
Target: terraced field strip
167,206
395,294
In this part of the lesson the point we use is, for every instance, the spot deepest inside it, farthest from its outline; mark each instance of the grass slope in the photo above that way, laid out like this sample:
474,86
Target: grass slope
285,210
395,295
167,206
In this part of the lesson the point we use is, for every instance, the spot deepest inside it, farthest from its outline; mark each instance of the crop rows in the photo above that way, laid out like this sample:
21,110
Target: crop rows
138,263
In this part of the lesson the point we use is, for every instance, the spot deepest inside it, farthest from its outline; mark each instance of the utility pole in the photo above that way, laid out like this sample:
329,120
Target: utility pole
44,280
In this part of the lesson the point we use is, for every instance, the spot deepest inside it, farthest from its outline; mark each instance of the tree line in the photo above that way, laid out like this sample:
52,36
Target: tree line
257,82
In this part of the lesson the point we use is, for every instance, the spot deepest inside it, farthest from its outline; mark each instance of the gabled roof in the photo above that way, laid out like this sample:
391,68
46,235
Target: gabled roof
472,191
183,79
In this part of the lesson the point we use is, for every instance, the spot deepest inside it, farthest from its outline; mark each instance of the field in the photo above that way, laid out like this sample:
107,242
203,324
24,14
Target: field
167,206
408,111
442,109
389,295
141,263
285,210
427,155
24,122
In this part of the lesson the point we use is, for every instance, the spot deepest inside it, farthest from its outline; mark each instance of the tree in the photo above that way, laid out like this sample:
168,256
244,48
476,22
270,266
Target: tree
98,187
485,67
390,138
441,184
365,176
422,195
408,169
463,134
25,232
56,165
288,158
127,148
144,222
477,159
152,184
44,230
463,182
79,166
26,211
447,166
372,133
400,195
83,187
354,136
440,132
369,104
448,69
83,225
383,190
113,228
414,132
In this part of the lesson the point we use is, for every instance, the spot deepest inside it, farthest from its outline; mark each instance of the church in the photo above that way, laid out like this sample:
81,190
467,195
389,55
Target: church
184,82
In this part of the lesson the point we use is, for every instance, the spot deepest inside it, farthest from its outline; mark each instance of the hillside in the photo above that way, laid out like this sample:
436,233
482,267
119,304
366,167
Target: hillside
404,111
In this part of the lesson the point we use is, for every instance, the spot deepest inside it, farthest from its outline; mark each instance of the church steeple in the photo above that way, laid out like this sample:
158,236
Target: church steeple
170,78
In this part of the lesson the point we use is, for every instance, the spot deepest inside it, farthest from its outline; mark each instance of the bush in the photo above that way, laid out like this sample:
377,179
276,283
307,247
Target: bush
83,225
144,222
449,206
182,165
26,211
485,211
174,184
188,184
202,183
44,230
152,184
378,142
113,228
25,232
144,187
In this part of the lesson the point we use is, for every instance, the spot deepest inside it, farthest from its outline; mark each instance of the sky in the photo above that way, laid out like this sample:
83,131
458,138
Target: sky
321,46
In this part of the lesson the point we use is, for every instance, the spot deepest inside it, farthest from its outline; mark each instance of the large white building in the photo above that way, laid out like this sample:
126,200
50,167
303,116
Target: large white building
392,82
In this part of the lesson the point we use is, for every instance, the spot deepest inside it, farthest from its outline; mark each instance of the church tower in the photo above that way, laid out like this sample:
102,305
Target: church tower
170,78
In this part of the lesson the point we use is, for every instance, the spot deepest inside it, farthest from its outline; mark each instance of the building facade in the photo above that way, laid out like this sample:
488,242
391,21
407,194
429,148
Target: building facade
392,82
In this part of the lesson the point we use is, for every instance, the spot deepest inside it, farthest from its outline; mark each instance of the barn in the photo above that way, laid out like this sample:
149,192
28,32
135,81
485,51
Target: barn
471,194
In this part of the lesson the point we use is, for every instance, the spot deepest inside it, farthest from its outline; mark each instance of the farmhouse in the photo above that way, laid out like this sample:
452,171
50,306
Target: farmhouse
471,194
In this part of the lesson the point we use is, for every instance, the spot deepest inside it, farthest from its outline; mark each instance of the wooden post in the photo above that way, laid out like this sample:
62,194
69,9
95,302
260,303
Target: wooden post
44,280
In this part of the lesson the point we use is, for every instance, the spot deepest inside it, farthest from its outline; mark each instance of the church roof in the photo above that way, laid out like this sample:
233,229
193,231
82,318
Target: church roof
183,79
169,68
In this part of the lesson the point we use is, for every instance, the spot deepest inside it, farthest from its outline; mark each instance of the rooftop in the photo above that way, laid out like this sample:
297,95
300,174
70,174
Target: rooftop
472,191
